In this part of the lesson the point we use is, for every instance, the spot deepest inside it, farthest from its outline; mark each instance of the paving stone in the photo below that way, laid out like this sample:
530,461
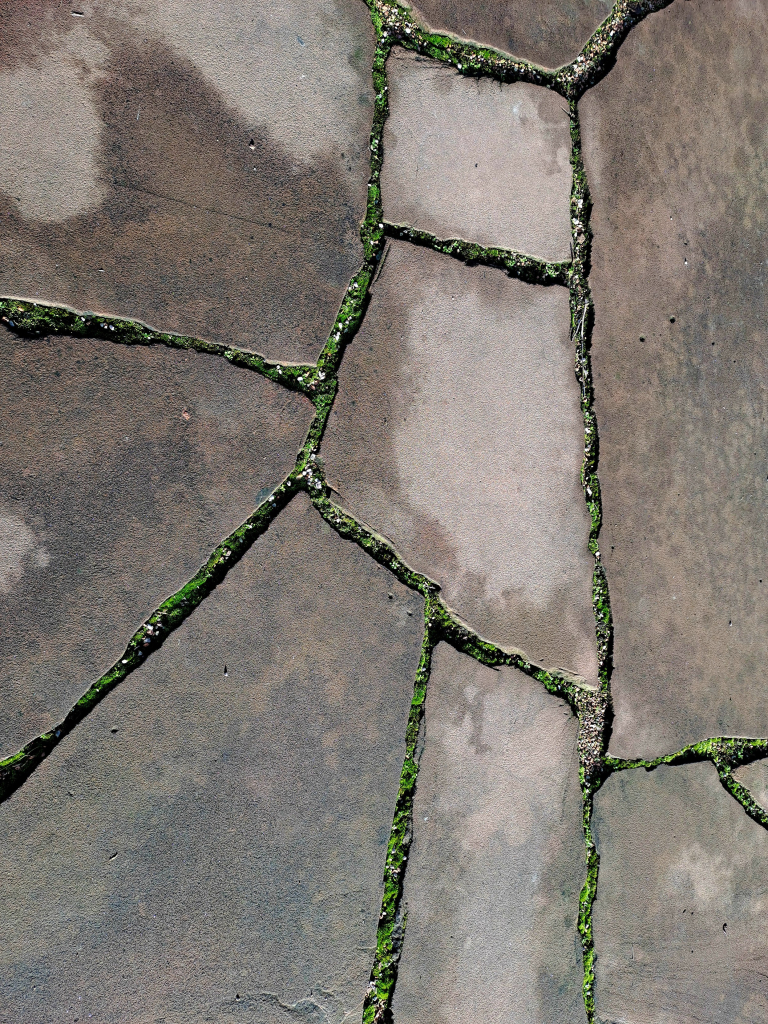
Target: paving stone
470,158
755,777
678,168
209,844
203,169
122,469
546,32
457,433
497,861
680,916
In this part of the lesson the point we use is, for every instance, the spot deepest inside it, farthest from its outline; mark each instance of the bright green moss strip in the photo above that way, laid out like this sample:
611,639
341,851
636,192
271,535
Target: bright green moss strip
392,922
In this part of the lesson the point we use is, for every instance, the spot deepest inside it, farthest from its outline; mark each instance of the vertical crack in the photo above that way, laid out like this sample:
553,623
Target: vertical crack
392,918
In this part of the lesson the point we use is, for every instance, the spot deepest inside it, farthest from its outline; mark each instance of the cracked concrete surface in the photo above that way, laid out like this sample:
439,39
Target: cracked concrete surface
473,159
495,867
457,434
269,311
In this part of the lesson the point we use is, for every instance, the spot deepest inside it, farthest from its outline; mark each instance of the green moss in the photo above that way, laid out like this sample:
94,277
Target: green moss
14,770
516,264
392,921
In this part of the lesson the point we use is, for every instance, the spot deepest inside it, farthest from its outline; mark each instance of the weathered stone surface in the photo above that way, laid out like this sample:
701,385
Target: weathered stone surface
755,777
680,915
497,862
457,433
471,158
209,843
678,167
122,469
546,32
203,169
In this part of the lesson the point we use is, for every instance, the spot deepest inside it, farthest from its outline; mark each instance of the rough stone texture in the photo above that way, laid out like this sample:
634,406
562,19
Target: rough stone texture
122,469
219,856
497,863
547,32
471,158
680,915
203,169
755,777
457,433
677,161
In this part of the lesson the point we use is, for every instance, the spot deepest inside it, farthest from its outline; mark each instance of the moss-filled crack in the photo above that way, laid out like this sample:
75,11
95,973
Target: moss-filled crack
396,24
33,320
516,264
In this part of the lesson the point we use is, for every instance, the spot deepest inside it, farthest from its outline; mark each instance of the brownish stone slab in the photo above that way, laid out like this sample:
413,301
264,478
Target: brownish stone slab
201,169
546,32
497,862
457,433
122,469
680,915
470,158
209,844
678,172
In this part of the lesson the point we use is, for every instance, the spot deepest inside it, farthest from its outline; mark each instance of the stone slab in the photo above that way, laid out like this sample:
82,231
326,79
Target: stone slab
209,844
202,169
470,158
678,168
755,777
457,433
546,32
682,900
122,468
497,861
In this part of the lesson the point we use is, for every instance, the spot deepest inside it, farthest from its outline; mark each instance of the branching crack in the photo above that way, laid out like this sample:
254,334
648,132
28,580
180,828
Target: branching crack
395,24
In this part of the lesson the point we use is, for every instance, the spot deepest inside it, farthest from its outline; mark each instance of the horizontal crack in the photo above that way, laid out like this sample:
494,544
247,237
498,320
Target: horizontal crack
32,319
516,264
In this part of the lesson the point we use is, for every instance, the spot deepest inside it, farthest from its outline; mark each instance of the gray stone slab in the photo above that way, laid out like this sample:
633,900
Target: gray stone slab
546,32
680,916
457,433
497,862
470,158
678,171
201,168
209,844
755,777
122,469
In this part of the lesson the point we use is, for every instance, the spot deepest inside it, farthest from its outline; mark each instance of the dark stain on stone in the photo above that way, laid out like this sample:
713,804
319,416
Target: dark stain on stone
199,232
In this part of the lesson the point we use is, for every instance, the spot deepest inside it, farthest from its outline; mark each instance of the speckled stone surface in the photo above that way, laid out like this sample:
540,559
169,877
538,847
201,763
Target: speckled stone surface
210,843
682,901
471,158
457,433
200,168
678,169
123,468
497,862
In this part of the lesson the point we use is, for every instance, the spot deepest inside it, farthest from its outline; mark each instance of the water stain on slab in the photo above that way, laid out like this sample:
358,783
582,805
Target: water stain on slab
123,467
457,433
204,171
546,32
681,370
679,920
470,158
209,844
497,861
